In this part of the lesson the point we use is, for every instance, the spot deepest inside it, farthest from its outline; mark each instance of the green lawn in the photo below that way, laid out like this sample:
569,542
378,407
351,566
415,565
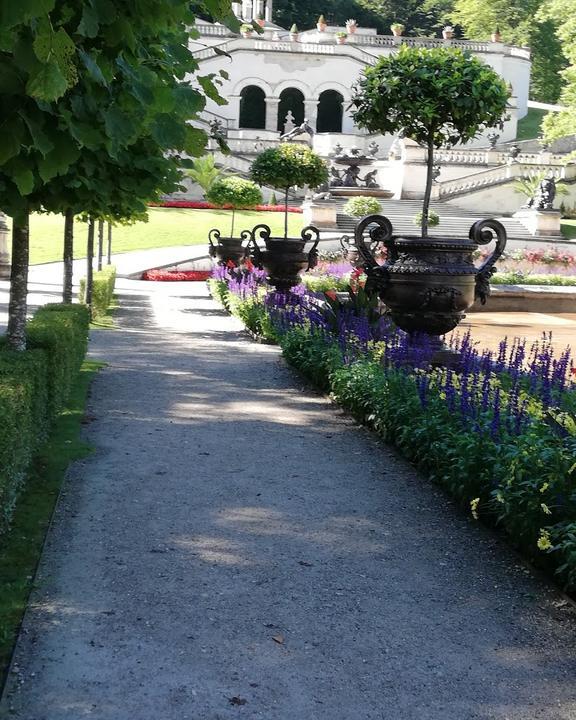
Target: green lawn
529,126
166,227
568,228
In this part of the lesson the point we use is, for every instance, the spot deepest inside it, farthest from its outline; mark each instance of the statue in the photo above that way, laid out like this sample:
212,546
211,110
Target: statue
544,197
289,123
369,179
351,176
300,130
513,154
436,170
335,179
337,150
373,148
492,138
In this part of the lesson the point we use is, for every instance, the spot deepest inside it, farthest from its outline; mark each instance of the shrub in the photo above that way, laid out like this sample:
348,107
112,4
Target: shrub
34,385
235,193
286,166
102,290
362,205
433,219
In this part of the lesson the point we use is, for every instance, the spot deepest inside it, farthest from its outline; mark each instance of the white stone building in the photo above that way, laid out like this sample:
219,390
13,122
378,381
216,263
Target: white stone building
312,76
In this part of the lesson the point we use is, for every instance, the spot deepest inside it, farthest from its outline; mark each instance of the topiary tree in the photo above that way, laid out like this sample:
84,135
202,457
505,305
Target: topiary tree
438,96
236,193
362,205
289,165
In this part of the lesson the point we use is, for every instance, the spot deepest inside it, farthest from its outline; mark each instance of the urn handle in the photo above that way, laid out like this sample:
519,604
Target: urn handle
380,232
482,232
246,235
213,239
311,233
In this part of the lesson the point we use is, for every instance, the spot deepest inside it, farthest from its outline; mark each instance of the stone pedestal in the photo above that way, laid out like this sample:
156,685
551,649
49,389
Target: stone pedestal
321,213
4,248
540,223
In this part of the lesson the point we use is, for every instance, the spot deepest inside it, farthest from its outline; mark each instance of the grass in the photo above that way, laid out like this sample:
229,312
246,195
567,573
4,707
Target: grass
166,227
21,548
529,125
568,228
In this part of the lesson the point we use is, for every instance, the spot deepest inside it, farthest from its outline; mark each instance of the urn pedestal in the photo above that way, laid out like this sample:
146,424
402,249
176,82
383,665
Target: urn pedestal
227,249
284,258
428,283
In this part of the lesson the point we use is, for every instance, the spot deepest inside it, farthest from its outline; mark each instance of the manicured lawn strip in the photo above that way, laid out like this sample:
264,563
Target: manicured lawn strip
568,228
529,125
166,227
21,548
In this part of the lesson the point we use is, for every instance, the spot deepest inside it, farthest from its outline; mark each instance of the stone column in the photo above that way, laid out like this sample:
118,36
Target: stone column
234,111
272,113
311,112
268,11
4,248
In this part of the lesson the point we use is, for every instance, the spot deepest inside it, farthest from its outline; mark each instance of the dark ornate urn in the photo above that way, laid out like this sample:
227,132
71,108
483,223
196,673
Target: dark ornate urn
428,283
284,258
225,249
351,252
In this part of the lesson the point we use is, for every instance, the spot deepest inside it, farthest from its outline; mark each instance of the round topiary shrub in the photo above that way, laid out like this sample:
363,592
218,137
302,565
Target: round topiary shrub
289,165
362,205
234,193
433,219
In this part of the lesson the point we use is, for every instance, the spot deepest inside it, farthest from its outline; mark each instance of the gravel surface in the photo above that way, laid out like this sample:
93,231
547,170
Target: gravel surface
237,547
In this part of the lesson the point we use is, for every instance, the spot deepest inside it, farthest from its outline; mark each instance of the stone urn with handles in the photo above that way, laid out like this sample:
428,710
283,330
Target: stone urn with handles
226,249
284,258
428,283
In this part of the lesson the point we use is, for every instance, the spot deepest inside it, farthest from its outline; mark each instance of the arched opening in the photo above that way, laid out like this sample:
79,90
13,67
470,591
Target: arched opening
330,112
290,99
252,108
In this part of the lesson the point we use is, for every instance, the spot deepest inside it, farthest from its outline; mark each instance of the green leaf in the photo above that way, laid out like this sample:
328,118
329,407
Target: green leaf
169,132
207,84
24,180
87,135
196,141
15,12
120,127
90,23
48,83
58,161
12,135
188,101
41,141
93,68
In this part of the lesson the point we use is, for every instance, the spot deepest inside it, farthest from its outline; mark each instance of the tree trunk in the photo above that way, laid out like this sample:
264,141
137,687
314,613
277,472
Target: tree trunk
109,243
286,214
428,190
68,256
100,243
89,263
17,307
232,228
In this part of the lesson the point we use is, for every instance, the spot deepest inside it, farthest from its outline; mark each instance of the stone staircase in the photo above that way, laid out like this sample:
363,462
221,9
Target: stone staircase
454,221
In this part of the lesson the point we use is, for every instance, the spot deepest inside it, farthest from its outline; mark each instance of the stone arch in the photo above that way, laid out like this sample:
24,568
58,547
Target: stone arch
330,111
252,108
291,98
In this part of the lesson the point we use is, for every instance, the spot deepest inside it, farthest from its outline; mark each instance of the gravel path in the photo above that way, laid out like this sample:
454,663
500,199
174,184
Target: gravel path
236,547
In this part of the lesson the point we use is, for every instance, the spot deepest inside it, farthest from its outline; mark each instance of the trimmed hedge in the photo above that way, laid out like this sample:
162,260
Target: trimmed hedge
102,290
34,385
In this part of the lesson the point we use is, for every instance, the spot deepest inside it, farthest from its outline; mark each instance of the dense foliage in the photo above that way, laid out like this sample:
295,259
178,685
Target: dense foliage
236,193
362,205
437,97
34,386
499,434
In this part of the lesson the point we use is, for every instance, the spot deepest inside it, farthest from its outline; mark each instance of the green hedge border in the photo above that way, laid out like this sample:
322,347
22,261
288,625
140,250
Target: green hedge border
34,386
104,282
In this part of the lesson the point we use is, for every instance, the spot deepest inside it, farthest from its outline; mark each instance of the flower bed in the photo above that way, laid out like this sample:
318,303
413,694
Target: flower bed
177,275
200,205
499,434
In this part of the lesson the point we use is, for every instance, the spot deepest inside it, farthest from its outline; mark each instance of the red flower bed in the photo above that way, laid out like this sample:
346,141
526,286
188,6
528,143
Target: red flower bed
199,205
176,275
